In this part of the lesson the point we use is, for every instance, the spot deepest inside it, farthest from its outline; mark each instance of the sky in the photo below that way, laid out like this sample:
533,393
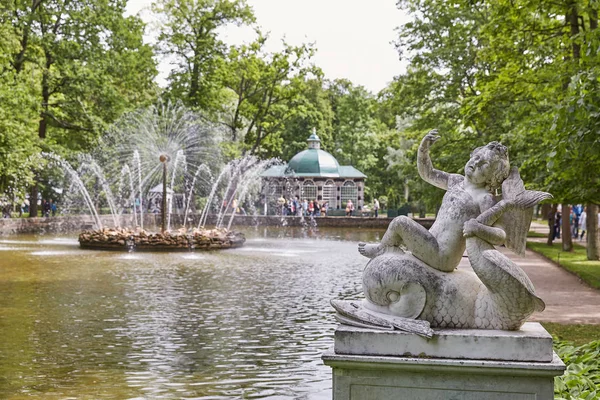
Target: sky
353,37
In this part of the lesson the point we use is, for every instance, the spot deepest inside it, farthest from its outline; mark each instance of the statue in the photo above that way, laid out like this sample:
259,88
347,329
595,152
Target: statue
416,290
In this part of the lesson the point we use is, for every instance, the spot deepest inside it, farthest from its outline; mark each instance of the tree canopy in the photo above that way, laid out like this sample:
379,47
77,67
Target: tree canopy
525,72
71,68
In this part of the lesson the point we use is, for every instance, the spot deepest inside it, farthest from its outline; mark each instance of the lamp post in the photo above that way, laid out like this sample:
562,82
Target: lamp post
164,159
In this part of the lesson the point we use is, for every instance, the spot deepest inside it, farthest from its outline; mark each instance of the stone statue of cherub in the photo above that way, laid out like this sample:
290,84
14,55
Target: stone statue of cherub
410,283
466,198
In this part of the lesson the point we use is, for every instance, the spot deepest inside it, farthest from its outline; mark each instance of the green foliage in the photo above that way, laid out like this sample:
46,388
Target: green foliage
362,139
189,35
574,261
92,66
70,69
581,379
524,72
311,109
268,94
353,124
17,129
576,150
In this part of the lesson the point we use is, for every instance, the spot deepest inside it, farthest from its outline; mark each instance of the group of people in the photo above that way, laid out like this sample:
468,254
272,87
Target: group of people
304,207
48,208
577,221
236,208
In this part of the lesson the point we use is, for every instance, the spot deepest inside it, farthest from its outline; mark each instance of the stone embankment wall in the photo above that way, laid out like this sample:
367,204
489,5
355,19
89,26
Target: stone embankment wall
9,226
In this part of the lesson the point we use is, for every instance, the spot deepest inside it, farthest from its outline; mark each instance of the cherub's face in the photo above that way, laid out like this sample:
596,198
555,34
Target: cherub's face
479,169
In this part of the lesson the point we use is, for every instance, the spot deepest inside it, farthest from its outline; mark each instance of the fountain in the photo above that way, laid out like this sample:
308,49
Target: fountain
149,160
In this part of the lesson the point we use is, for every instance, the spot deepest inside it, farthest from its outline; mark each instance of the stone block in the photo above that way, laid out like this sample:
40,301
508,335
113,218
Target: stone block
531,343
431,374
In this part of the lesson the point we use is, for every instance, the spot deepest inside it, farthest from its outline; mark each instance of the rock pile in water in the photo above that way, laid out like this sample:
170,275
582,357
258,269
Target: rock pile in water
126,239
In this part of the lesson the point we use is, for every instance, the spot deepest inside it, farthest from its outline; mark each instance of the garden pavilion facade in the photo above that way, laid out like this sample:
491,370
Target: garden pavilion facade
315,174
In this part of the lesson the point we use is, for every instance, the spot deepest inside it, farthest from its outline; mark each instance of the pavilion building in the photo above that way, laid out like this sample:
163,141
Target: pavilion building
315,174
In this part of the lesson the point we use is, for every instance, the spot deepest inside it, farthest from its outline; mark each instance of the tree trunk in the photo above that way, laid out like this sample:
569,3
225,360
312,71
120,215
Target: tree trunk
593,19
19,61
42,130
593,230
573,20
593,237
545,209
567,235
194,85
551,217
164,210
33,195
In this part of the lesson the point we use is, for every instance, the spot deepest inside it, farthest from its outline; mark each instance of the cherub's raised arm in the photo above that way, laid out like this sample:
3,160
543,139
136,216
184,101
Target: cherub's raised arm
428,173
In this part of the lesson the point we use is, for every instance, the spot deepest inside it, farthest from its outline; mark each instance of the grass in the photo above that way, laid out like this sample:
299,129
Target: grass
576,333
574,261
533,234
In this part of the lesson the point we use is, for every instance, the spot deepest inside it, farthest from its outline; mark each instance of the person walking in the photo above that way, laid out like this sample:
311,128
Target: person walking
557,223
298,206
325,208
46,207
281,204
349,208
582,224
577,209
311,208
376,207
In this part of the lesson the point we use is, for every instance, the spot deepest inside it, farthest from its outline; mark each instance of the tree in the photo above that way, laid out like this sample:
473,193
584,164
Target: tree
90,63
353,124
520,71
189,35
264,87
362,139
310,109
593,239
442,47
17,129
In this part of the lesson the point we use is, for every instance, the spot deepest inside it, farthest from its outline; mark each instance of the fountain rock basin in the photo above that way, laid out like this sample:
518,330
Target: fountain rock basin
140,240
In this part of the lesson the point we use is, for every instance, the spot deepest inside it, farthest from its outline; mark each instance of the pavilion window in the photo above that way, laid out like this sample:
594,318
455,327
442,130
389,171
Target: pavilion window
349,192
329,193
309,191
274,192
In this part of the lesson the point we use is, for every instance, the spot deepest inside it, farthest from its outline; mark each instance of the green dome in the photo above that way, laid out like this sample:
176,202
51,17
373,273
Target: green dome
314,161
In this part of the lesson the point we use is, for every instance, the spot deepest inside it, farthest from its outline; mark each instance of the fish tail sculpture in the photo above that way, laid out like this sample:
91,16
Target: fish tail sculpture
512,297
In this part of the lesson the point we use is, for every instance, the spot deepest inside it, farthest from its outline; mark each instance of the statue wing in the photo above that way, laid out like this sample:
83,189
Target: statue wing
517,220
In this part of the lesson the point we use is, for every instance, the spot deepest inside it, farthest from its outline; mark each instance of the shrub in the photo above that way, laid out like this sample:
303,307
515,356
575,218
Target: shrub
581,379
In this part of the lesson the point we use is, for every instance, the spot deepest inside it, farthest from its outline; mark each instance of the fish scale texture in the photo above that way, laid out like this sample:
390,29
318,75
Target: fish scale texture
454,300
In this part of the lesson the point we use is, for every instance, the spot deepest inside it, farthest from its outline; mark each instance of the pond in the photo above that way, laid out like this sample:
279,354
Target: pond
242,323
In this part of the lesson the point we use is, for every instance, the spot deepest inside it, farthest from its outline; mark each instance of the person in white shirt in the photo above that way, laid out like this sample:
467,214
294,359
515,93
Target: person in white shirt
582,223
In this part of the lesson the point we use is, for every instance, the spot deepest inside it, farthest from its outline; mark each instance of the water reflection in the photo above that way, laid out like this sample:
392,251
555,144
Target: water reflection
245,323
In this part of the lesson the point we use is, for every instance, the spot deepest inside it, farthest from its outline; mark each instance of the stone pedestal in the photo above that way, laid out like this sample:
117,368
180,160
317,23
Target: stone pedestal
455,364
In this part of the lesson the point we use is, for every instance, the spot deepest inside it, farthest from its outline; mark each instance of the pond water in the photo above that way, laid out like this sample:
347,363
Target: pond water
245,323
